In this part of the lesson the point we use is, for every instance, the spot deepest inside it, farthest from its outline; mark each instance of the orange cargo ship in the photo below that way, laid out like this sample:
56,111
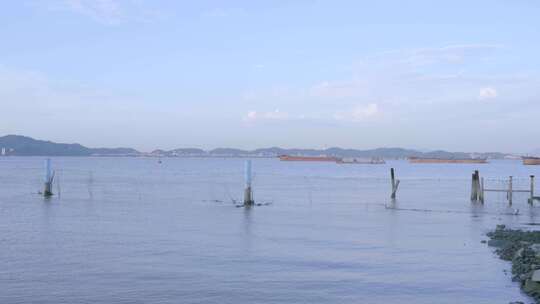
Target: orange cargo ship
307,158
420,160
529,160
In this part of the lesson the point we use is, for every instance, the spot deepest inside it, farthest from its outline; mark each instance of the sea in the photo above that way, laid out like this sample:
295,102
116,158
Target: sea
136,230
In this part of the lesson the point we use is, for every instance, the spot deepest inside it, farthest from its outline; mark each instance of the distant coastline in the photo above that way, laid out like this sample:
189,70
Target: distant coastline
16,145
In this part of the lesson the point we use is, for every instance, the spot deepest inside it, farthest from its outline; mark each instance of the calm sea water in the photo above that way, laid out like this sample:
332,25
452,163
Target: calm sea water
130,230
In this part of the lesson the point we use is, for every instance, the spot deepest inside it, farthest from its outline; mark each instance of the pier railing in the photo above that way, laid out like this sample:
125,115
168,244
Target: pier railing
508,186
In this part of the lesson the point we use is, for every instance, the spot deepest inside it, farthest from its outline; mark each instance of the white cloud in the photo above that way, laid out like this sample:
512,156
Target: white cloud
487,93
450,54
273,115
420,74
410,86
251,115
359,113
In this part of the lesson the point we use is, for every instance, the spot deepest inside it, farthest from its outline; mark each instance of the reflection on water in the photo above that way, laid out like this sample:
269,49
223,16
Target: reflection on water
247,227
130,230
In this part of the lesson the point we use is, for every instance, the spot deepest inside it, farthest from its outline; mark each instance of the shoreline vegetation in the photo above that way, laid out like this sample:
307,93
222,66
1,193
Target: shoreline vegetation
16,145
522,249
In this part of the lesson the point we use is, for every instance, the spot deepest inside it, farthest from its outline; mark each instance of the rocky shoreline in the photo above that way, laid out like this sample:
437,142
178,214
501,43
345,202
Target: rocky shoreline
522,248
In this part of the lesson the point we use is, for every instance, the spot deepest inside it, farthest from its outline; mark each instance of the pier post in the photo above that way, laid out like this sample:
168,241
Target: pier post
510,190
474,186
477,180
395,183
392,177
49,176
248,194
481,195
531,199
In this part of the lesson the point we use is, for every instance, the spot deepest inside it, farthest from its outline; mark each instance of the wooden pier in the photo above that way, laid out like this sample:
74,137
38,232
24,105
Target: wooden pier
478,189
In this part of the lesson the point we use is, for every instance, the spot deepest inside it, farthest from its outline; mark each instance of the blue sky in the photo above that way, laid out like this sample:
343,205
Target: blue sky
459,75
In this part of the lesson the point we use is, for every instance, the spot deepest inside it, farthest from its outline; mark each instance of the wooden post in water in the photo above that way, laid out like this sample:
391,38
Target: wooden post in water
393,178
395,183
474,186
510,190
478,186
477,180
531,199
49,176
481,194
248,194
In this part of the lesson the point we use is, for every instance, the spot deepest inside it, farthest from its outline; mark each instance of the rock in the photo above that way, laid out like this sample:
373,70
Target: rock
524,277
508,251
535,276
522,248
518,253
531,287
536,249
497,243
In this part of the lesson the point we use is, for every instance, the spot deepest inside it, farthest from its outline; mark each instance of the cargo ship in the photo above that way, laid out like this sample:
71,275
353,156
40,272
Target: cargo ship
308,158
531,160
359,161
422,160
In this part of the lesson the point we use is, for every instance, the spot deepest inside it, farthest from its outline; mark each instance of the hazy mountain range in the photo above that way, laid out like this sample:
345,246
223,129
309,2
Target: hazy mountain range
25,146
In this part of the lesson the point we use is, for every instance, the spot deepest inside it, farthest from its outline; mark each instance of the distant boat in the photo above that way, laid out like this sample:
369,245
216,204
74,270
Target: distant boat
359,161
308,158
425,160
531,160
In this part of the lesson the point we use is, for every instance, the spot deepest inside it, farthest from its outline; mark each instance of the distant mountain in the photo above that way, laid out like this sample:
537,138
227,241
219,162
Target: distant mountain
227,151
27,146
387,153
114,152
179,152
188,151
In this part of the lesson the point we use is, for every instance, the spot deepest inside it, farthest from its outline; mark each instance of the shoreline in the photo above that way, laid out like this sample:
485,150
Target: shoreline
522,249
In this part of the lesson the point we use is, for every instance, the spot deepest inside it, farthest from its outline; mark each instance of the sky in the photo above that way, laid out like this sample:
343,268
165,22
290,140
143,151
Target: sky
454,75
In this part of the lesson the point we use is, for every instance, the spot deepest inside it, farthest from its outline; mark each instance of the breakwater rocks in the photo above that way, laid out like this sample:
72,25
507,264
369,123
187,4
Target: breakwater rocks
522,248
